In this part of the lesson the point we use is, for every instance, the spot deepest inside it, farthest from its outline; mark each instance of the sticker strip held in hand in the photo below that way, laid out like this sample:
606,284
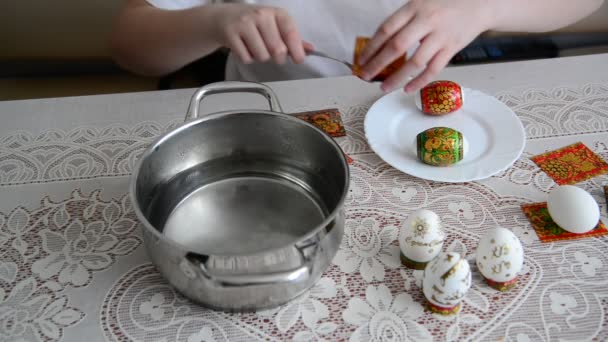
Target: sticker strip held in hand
386,72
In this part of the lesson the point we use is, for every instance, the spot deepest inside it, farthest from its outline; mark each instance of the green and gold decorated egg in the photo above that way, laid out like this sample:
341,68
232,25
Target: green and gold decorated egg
440,146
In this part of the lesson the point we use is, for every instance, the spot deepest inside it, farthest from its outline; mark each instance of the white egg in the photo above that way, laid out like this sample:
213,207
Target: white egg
500,255
573,209
420,238
446,280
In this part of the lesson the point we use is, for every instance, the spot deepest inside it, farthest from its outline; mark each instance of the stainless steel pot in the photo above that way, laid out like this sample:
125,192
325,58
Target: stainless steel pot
241,210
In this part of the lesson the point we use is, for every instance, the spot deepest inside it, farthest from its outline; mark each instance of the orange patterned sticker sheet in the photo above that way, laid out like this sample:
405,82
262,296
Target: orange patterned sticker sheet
548,231
571,164
349,159
328,120
360,44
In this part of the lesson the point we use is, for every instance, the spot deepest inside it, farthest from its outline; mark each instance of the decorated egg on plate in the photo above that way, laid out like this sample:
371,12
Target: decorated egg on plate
441,146
573,209
446,280
500,257
440,98
420,239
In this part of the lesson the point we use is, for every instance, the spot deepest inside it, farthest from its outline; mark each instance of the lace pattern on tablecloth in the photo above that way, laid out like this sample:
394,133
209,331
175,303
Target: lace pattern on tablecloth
365,292
56,247
60,246
82,153
560,111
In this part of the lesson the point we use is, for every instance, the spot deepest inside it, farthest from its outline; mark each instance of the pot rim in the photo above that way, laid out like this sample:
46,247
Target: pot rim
217,116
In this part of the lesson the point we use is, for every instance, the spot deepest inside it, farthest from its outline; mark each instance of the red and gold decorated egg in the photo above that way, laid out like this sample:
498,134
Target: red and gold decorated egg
440,146
440,98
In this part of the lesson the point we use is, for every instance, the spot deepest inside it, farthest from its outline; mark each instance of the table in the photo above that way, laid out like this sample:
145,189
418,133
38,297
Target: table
73,267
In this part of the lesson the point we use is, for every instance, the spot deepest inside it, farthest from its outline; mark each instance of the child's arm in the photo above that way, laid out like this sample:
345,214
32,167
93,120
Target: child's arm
444,27
152,41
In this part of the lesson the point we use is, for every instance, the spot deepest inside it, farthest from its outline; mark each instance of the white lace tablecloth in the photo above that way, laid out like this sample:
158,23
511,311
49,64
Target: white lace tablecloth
73,267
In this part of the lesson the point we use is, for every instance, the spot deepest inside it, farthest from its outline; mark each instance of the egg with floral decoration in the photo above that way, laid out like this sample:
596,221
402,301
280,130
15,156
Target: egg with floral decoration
441,146
499,258
440,98
445,282
420,239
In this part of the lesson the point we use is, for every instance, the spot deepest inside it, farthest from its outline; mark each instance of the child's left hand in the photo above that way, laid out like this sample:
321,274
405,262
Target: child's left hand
443,27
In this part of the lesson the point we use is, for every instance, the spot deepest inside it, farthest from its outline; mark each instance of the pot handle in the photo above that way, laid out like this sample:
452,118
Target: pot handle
239,280
232,87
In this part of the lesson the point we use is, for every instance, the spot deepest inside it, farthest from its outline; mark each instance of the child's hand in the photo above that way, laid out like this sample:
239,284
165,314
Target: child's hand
443,27
258,33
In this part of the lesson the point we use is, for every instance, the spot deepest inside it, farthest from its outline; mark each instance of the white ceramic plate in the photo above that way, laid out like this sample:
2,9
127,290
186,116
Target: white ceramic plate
495,135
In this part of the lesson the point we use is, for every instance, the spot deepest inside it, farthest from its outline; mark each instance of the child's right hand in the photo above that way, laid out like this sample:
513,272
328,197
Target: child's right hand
258,33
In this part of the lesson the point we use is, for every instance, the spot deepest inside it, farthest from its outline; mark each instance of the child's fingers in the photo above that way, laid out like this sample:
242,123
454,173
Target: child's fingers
291,37
395,79
308,46
237,46
272,39
396,47
255,44
389,28
429,47
437,63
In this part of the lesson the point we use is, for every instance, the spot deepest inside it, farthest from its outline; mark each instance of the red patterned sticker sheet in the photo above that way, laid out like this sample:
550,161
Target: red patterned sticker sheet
349,159
328,120
572,164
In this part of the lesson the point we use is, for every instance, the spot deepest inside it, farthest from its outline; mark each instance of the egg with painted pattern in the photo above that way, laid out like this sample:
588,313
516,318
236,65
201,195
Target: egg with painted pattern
440,98
441,146
420,238
446,280
500,258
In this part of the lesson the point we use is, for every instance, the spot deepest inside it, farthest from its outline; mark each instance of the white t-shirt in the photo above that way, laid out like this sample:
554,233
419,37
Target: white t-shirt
330,26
